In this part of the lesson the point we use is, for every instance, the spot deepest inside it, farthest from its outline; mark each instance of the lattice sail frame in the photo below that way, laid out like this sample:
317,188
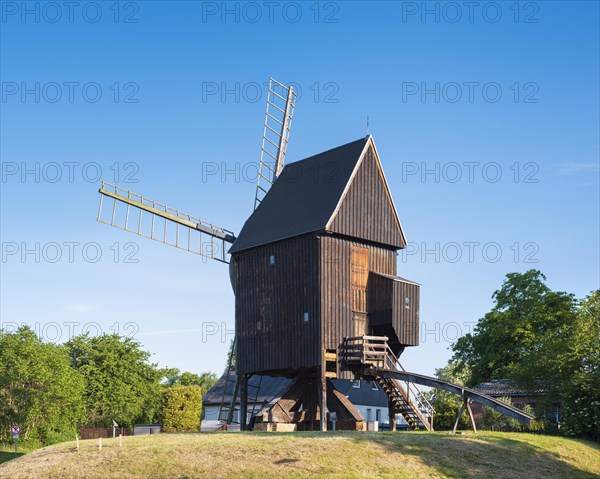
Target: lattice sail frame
187,232
281,101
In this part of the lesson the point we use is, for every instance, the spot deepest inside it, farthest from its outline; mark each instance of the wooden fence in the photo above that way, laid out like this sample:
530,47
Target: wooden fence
96,432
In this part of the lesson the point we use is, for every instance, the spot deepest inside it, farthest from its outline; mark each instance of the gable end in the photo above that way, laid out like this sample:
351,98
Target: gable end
366,209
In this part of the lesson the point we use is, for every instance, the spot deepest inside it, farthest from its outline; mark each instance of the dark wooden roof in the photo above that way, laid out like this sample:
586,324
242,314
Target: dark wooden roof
271,387
319,194
504,387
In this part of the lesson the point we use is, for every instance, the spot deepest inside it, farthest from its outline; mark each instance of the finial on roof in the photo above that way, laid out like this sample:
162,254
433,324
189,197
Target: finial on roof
367,126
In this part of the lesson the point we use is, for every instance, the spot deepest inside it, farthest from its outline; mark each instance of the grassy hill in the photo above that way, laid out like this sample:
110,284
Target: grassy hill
343,455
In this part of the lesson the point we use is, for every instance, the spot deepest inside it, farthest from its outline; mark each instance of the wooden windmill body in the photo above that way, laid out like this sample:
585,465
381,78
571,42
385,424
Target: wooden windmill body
314,273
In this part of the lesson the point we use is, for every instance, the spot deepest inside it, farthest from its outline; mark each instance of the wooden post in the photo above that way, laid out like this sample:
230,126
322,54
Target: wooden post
243,401
460,411
323,399
392,415
312,408
77,442
472,418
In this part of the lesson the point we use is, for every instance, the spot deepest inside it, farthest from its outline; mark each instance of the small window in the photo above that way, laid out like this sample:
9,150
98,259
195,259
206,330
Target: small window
369,414
272,260
407,302
356,384
374,386
306,317
378,415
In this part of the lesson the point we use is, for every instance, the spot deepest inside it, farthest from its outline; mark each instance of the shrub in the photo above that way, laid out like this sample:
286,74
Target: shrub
182,409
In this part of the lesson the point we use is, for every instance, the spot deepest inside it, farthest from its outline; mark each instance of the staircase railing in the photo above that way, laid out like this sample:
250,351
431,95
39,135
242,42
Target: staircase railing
414,394
374,351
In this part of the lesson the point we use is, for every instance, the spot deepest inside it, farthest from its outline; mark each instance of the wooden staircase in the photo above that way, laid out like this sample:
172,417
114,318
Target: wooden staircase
397,394
366,355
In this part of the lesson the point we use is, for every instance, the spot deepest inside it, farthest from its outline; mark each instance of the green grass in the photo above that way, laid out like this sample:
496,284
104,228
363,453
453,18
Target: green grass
297,455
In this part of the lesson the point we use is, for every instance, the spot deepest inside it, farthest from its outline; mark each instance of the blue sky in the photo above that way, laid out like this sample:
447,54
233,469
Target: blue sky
487,127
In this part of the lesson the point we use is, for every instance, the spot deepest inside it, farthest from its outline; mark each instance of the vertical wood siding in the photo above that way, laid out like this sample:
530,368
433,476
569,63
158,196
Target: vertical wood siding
406,319
270,304
388,312
336,286
366,211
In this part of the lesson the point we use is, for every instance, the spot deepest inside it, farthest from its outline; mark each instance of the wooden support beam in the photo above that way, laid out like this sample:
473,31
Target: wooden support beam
471,417
465,405
243,401
323,398
312,404
392,414
460,412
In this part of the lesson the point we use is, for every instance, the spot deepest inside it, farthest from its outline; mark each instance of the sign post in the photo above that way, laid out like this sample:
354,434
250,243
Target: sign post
15,430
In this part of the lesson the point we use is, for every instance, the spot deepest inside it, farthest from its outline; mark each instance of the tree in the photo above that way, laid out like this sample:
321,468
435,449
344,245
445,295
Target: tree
120,383
536,336
182,409
173,377
38,389
170,376
506,338
579,369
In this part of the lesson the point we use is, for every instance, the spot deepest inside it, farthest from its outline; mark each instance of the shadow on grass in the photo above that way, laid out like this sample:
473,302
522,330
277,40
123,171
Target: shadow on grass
476,456
7,456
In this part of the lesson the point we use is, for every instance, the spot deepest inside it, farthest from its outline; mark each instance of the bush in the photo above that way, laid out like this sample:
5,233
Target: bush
38,390
182,409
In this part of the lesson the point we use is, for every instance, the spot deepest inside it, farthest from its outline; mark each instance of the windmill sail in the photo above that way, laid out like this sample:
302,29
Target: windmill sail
137,214
281,101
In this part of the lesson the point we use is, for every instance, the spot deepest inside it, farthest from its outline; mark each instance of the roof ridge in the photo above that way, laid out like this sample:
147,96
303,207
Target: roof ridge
325,152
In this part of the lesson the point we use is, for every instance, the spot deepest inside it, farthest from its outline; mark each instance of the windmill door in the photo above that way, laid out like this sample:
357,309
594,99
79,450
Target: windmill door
359,273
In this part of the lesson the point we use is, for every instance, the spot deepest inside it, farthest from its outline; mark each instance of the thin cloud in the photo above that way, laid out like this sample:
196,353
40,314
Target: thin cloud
82,307
580,167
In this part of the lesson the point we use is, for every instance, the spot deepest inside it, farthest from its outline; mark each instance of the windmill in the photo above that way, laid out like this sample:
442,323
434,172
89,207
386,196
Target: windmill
314,273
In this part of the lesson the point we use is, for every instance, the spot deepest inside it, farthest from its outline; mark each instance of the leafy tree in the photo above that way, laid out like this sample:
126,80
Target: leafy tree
173,377
445,403
170,376
207,381
534,334
503,341
38,389
579,368
190,379
120,383
182,409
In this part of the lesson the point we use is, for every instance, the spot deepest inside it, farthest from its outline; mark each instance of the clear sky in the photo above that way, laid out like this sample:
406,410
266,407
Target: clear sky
486,119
